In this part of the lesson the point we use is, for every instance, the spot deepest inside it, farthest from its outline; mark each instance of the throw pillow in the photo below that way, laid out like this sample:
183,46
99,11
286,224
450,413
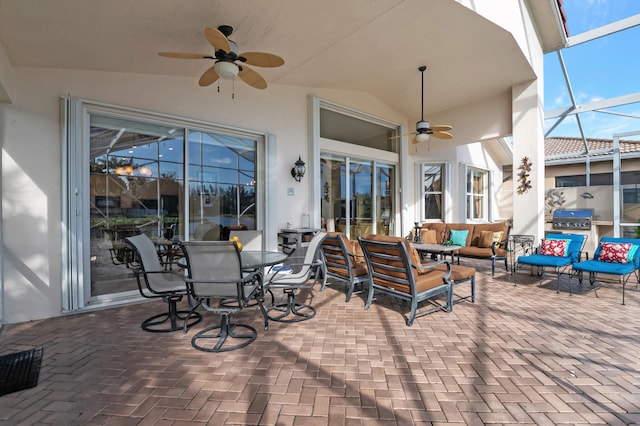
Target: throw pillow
614,252
553,247
632,252
497,236
458,237
486,239
429,236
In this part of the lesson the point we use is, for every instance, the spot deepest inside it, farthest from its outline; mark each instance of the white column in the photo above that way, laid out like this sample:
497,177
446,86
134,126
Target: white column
528,142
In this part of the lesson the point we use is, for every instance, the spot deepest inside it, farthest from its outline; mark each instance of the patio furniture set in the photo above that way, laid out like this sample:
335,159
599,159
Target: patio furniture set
560,253
224,278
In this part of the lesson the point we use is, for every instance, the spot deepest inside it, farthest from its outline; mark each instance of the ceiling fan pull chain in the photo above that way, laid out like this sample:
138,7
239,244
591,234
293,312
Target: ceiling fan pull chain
233,88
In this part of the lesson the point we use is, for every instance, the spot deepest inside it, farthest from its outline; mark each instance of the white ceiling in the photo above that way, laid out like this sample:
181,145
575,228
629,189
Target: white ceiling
370,45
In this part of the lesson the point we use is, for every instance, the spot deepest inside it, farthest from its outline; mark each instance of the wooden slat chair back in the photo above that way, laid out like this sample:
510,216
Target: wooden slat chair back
342,264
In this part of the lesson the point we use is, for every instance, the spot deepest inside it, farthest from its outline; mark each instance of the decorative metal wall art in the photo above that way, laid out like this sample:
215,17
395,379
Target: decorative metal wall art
524,184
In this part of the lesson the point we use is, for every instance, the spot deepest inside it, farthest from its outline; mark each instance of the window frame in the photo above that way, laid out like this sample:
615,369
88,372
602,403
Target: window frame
444,191
485,195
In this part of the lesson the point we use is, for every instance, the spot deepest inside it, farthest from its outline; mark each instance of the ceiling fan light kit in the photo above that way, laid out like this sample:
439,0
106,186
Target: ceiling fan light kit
421,137
226,69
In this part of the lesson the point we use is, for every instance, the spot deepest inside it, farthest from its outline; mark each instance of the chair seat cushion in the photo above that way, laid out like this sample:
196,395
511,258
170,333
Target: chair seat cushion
458,272
431,279
604,267
542,260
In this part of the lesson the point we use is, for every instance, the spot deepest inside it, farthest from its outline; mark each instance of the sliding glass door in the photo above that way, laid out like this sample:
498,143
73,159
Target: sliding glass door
137,175
358,195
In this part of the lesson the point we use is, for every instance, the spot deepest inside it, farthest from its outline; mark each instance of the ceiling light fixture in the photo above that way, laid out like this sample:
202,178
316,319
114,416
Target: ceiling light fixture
226,69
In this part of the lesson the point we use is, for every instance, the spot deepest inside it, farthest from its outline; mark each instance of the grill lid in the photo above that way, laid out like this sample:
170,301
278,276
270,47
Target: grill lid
578,219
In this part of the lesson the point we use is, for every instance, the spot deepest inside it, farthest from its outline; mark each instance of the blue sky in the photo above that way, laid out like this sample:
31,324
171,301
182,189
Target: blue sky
600,69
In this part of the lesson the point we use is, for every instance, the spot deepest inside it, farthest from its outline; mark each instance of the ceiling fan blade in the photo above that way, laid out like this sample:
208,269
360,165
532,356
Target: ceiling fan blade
217,39
179,55
210,76
262,59
252,78
442,135
441,128
404,134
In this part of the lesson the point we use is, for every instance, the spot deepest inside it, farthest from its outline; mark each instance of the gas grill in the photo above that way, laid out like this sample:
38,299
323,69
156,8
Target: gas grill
573,219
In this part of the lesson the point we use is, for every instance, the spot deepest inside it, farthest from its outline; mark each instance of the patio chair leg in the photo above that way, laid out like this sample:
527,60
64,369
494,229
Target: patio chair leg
301,311
226,330
154,323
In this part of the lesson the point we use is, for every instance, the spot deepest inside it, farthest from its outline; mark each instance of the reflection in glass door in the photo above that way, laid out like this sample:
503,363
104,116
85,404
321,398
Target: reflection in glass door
366,205
385,200
136,186
222,180
360,186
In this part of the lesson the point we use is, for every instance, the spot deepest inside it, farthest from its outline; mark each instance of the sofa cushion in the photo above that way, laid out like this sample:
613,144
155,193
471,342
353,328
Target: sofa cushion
493,227
429,236
487,238
441,231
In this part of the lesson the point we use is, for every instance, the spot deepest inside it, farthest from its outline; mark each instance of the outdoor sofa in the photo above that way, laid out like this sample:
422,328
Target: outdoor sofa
477,240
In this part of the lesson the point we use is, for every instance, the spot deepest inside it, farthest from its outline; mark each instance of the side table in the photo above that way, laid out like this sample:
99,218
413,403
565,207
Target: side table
519,244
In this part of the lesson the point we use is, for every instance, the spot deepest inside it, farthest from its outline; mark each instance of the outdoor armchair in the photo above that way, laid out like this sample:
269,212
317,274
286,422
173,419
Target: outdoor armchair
155,282
342,263
613,256
556,254
392,272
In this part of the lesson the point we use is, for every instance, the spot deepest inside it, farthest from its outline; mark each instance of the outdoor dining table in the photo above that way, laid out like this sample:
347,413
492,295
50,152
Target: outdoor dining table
252,259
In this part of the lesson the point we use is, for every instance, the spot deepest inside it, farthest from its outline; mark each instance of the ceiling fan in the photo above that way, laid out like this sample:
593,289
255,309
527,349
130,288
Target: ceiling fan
423,129
228,62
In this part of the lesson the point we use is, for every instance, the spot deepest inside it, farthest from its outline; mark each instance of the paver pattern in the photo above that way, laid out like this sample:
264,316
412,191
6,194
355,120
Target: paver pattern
520,355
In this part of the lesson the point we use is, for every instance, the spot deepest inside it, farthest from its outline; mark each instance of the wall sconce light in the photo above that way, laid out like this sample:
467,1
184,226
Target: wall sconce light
298,171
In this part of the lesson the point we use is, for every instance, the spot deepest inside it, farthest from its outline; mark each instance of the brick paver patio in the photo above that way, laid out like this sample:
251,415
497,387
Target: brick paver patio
519,355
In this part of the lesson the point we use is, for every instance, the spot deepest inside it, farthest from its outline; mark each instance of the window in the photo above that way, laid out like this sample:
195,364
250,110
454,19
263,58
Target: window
477,194
358,157
597,179
433,189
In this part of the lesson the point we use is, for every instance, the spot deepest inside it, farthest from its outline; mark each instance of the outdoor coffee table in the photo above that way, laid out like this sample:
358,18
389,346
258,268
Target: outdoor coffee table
441,250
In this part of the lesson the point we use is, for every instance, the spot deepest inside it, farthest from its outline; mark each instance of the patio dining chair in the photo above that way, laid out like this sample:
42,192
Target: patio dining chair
292,279
556,254
154,281
216,274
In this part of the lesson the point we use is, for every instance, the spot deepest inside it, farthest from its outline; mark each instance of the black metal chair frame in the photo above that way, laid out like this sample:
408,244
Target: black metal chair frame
152,284
220,277
291,282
